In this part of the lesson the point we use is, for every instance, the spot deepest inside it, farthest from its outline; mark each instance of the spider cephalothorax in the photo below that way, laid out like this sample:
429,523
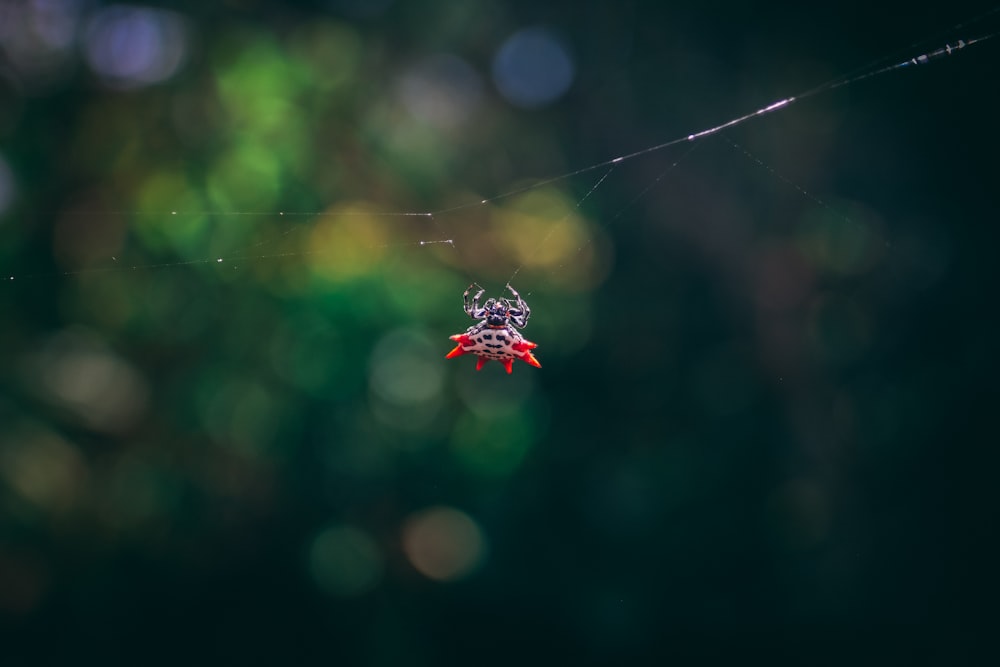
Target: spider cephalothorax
495,336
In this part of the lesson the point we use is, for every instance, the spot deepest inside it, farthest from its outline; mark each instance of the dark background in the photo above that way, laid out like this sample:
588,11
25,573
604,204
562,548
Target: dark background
765,426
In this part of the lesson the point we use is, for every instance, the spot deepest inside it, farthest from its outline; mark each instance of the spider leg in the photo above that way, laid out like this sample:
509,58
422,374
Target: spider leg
519,315
472,308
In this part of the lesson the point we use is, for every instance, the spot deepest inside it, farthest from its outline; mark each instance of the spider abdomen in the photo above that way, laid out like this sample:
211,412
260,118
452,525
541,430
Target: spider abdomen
495,343
503,344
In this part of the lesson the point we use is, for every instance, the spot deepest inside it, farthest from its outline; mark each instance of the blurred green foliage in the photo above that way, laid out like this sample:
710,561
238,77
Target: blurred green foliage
227,429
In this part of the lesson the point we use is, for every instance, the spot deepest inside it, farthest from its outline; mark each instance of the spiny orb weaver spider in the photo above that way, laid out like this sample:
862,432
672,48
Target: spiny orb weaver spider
495,336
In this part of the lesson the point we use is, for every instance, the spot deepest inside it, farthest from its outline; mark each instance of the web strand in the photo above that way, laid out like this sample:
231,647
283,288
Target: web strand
247,253
552,227
783,103
922,59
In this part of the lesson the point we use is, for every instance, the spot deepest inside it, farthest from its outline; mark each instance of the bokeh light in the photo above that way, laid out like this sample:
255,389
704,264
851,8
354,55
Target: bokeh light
347,243
38,37
443,543
344,561
76,370
543,230
43,468
132,47
443,91
406,379
532,68
247,177
160,195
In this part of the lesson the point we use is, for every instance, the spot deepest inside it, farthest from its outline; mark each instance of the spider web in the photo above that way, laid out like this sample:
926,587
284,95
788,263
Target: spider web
460,226
253,395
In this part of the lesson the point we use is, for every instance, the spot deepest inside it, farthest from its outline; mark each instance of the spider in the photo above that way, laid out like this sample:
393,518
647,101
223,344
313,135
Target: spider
495,336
